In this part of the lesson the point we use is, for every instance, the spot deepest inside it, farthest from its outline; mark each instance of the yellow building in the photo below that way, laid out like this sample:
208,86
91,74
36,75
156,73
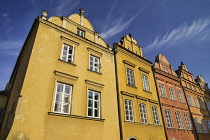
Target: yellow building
195,99
140,115
63,85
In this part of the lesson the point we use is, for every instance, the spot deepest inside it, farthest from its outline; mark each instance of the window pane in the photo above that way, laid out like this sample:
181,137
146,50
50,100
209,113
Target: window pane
90,103
90,112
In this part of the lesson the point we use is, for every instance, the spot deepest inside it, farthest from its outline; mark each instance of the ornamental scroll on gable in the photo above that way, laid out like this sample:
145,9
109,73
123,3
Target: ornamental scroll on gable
130,43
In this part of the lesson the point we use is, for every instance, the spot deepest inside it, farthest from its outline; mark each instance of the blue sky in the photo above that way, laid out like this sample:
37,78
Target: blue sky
179,29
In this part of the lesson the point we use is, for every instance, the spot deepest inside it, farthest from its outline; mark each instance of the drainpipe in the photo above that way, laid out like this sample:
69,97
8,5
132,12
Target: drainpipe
118,92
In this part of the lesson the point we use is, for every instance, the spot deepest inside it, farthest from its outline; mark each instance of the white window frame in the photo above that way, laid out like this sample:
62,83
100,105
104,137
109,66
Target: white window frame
143,113
162,90
189,100
129,110
169,119
60,98
187,121
81,33
196,102
181,98
179,120
94,63
197,125
69,56
145,81
155,115
130,77
203,123
93,104
172,94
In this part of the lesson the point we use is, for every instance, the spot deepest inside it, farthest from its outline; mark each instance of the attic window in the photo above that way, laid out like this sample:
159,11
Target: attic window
166,70
81,33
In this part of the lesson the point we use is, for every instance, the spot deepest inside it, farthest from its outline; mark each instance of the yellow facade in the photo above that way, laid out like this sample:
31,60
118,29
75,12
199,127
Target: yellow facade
40,114
130,64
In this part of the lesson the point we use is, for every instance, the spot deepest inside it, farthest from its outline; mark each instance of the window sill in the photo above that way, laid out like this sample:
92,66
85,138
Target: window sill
181,129
67,62
132,86
94,71
75,116
171,128
147,91
138,123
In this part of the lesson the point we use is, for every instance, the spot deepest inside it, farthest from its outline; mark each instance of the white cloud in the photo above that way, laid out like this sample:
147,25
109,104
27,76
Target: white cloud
5,15
113,26
199,30
160,6
10,48
65,6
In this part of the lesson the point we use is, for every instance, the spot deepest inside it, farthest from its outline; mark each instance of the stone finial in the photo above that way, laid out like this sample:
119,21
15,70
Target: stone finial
182,63
82,11
44,14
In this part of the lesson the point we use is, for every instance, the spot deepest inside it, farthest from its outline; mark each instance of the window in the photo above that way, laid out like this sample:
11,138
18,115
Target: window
155,115
93,104
162,90
137,52
145,82
67,53
129,110
94,63
196,102
208,124
188,85
166,70
204,126
202,104
172,93
80,33
62,98
181,99
169,118
193,88
197,125
189,100
129,48
143,113
130,77
208,105
179,120
187,121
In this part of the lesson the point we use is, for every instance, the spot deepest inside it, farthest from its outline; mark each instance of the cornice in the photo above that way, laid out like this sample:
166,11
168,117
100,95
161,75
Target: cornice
133,55
78,25
166,74
72,34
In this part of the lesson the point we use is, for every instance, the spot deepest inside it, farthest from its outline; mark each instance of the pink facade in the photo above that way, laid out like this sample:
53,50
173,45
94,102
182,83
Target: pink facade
176,115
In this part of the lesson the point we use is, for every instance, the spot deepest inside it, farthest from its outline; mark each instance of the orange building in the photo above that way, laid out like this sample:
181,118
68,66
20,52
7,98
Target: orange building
176,115
195,98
